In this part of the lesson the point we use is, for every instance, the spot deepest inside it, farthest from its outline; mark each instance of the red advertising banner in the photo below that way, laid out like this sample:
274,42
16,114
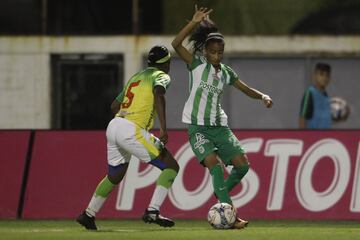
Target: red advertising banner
294,175
13,149
64,171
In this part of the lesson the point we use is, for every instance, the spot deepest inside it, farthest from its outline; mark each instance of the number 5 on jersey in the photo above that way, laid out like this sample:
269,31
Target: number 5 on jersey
130,95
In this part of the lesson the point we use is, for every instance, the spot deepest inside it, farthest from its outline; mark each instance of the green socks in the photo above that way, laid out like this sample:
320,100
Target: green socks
163,184
235,176
99,197
166,178
220,189
104,188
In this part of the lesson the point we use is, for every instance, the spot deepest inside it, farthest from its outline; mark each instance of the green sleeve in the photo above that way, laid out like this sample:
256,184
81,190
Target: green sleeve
196,61
120,97
232,75
162,80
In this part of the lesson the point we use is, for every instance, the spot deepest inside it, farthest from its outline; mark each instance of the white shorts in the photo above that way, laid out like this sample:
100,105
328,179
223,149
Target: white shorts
124,139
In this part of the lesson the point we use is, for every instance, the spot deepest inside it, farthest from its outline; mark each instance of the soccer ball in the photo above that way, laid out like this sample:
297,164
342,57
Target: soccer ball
222,216
339,109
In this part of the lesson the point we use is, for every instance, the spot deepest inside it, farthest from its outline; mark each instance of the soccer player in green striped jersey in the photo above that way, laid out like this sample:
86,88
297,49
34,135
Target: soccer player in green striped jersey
209,134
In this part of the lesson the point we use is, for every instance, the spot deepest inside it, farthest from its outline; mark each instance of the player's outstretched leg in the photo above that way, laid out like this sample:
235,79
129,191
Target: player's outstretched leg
170,168
217,175
241,167
103,190
236,174
87,218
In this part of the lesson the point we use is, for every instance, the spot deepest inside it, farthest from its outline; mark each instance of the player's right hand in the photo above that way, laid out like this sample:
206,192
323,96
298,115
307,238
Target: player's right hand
267,101
201,14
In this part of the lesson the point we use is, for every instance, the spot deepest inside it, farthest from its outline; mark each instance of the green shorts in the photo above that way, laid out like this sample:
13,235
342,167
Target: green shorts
207,139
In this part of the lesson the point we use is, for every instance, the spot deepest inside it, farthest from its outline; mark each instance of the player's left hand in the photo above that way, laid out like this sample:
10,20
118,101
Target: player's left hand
163,136
267,101
201,14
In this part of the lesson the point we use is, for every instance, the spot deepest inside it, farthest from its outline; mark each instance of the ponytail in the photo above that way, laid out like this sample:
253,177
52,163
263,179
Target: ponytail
200,36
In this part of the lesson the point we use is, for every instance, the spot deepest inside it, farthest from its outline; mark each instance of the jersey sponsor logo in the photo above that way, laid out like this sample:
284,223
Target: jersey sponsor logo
210,88
293,161
200,141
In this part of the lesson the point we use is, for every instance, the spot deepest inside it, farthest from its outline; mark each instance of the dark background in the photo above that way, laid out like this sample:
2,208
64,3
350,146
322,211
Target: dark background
79,17
114,17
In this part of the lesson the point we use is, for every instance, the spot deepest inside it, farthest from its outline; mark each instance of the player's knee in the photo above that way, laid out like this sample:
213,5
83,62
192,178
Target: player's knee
211,161
240,161
244,160
166,161
245,163
114,180
171,162
117,173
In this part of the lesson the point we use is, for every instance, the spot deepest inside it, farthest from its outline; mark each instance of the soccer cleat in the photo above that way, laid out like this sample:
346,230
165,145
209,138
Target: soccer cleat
153,216
240,224
86,221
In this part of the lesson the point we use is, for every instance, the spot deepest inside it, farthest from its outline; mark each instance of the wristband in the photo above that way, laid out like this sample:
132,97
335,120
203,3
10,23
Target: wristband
265,97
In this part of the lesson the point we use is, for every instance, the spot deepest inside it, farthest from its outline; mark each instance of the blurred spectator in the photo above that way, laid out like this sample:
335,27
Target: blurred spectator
315,112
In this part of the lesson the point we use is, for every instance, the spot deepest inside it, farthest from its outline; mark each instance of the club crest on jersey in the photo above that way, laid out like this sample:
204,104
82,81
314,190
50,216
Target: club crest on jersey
200,141
215,76
218,78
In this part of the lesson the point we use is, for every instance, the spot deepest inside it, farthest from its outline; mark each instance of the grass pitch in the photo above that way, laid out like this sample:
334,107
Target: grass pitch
198,230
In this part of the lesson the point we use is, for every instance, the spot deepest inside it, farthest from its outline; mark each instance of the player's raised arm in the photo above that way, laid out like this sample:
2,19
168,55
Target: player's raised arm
253,93
199,15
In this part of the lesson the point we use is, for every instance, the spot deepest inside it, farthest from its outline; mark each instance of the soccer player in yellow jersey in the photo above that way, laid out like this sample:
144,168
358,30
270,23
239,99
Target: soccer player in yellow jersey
128,134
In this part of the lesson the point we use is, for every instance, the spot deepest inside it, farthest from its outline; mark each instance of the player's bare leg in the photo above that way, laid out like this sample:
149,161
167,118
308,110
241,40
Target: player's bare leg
104,188
170,168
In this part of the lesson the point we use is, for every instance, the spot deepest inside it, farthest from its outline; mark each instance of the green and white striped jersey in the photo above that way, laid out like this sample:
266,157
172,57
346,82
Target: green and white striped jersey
206,87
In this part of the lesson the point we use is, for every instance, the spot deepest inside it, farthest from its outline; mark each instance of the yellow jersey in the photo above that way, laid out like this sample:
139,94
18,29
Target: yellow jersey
137,98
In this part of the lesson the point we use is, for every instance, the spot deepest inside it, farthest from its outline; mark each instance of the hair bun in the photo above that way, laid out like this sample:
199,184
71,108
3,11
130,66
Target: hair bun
200,34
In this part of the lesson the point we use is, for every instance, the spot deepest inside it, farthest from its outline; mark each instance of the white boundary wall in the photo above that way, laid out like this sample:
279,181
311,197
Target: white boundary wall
25,84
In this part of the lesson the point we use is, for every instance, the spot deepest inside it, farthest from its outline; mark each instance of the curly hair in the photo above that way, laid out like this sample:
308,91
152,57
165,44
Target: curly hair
205,33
